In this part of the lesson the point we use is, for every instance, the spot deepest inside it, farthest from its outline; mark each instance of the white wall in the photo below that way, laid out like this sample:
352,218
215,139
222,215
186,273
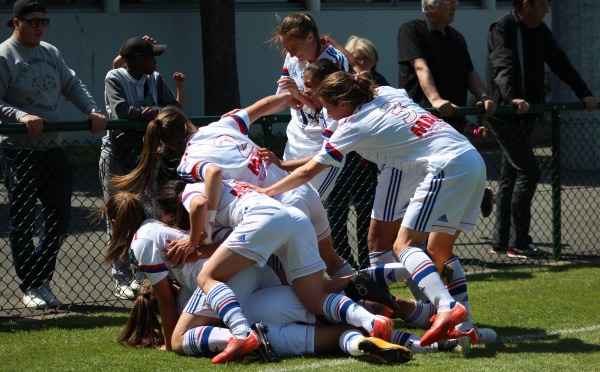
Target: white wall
89,41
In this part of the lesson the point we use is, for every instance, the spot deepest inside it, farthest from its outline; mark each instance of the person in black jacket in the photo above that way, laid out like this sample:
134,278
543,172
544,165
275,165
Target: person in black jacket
519,44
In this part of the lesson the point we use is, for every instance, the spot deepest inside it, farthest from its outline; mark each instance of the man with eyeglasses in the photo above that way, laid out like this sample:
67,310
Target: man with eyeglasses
33,76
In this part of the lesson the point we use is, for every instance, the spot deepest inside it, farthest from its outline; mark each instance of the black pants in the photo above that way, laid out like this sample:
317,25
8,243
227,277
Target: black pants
520,174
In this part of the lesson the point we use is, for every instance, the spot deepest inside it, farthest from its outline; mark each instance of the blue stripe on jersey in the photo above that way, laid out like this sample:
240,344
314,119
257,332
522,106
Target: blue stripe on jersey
335,54
285,72
152,269
335,154
429,202
392,195
331,174
200,172
327,134
243,126
186,176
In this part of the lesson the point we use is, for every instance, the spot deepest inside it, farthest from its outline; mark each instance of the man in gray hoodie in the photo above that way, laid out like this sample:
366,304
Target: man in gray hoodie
33,76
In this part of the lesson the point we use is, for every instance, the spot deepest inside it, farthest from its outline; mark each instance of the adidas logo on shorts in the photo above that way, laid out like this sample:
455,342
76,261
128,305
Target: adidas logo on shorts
241,238
443,218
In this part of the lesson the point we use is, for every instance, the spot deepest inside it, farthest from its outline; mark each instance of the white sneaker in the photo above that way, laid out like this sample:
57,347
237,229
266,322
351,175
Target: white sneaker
49,297
124,291
33,299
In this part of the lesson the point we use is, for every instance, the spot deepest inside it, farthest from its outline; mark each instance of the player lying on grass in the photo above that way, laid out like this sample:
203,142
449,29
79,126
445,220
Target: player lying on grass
149,246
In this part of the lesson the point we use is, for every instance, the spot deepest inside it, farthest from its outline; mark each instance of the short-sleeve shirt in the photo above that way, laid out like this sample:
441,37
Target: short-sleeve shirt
393,130
149,247
304,132
447,57
226,144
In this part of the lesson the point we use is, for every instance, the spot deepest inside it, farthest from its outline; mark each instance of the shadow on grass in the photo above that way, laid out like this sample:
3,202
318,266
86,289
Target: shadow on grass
529,273
84,319
532,340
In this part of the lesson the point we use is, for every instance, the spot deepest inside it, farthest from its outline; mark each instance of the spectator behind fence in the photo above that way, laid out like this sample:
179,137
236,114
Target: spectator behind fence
33,76
358,180
134,92
435,67
519,44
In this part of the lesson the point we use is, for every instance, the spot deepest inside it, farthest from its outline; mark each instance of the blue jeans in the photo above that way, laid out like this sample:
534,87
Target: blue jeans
29,175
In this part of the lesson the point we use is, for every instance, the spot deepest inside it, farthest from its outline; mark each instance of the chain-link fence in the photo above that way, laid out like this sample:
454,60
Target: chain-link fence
564,210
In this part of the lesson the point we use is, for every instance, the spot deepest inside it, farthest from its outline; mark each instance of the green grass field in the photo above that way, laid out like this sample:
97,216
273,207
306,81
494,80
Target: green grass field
547,320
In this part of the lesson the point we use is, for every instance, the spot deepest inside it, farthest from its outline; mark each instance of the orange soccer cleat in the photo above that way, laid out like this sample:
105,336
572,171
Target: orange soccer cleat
237,348
382,328
443,322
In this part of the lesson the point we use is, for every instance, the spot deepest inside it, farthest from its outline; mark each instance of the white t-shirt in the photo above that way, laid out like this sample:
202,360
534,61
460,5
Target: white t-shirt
393,130
305,130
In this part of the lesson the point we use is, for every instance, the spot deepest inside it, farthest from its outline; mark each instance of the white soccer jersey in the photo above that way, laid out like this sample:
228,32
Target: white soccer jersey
149,247
225,143
393,130
305,130
235,200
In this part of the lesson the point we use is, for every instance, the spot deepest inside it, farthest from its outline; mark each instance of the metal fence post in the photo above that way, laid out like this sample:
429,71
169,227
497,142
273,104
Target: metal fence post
556,184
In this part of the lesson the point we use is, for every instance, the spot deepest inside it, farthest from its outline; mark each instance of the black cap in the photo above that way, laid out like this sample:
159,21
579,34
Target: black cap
22,7
136,46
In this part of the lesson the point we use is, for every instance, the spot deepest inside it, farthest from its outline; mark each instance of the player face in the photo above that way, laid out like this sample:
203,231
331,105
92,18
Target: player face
304,49
339,111
30,34
443,14
362,60
147,64
533,13
311,84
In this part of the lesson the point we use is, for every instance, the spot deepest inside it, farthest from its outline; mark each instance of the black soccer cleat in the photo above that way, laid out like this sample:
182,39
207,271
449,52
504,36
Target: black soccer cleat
383,351
266,350
361,287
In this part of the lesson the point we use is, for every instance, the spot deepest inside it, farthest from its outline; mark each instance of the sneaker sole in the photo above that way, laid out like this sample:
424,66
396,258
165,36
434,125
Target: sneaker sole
385,351
266,350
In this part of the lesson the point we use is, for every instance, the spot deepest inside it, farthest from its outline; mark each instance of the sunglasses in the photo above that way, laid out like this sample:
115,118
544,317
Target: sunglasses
34,22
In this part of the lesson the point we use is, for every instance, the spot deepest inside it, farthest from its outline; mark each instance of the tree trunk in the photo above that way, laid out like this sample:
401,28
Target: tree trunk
221,89
575,27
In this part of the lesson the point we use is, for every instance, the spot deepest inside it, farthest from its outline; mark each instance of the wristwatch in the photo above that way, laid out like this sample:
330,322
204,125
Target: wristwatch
484,96
94,111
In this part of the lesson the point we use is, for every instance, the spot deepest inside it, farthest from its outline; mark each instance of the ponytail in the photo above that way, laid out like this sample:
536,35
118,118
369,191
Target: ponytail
143,328
127,213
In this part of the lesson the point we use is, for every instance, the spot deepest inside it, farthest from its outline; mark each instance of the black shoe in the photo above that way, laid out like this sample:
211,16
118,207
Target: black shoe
487,202
529,251
498,249
383,351
447,345
361,287
266,350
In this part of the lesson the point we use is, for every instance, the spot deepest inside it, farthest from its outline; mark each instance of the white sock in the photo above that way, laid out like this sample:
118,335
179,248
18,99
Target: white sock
223,301
412,342
379,258
349,342
387,274
205,339
344,270
458,290
343,310
421,315
426,276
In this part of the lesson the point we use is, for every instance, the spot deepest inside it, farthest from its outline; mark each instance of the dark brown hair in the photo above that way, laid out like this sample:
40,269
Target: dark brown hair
343,86
169,129
298,25
143,328
128,213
